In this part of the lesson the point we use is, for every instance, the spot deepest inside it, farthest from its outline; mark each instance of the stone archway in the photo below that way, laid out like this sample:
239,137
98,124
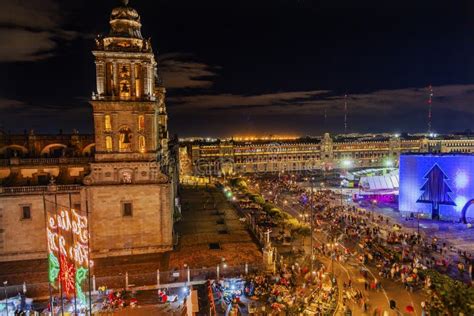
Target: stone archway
89,150
52,150
12,150
464,210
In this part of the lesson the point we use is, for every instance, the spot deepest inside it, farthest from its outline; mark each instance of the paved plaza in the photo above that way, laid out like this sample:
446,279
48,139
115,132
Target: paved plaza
211,230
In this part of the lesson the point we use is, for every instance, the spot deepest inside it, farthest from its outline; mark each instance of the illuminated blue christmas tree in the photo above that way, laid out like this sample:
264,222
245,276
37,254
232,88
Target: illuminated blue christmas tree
436,191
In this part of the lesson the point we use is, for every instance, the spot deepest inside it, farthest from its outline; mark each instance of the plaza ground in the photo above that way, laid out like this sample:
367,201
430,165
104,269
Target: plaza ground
207,218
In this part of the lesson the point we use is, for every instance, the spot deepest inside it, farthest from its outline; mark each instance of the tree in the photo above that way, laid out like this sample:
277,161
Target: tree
436,191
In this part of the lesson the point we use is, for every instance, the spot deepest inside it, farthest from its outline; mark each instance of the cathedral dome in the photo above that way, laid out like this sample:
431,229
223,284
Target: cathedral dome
125,22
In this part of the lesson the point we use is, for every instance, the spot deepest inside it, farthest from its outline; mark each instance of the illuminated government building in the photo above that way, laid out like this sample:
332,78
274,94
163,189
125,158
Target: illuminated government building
122,176
240,156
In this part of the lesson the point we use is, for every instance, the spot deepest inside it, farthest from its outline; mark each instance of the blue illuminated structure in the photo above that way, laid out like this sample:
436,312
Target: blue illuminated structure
437,185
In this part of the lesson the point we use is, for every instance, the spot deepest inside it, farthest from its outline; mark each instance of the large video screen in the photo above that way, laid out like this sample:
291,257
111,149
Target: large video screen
440,186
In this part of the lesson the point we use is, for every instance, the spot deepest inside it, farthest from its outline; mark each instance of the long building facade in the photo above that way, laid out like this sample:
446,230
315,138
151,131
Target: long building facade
325,153
124,176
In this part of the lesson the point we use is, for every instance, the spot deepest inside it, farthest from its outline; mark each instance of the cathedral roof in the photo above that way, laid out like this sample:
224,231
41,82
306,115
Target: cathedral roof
125,22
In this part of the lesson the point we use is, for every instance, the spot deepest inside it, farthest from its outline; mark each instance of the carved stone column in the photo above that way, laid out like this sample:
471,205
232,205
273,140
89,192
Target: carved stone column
146,79
115,136
150,79
116,87
100,75
98,127
132,80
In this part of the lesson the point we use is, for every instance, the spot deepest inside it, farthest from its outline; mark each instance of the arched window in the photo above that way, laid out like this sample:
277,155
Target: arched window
107,123
125,139
141,122
142,144
108,143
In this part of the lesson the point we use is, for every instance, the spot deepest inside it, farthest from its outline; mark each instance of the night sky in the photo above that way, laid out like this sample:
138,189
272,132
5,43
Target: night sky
251,66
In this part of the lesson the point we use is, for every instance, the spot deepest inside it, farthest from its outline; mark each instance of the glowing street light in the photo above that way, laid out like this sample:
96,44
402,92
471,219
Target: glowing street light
388,163
347,163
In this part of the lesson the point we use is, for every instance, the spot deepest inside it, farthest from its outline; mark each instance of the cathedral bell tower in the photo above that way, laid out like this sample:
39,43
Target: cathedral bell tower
129,110
129,189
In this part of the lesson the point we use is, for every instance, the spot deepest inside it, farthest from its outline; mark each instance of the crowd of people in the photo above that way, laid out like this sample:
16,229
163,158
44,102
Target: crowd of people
398,253
292,289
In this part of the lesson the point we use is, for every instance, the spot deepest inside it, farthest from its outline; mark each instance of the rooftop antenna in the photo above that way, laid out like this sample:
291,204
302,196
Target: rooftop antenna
325,117
345,113
430,107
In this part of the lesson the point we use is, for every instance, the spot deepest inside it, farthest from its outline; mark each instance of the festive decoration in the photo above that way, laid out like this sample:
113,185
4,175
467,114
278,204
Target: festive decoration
436,191
67,277
81,275
437,185
68,240
53,268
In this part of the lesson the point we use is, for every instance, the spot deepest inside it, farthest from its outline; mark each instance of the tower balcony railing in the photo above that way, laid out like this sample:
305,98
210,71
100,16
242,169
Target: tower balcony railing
39,189
98,97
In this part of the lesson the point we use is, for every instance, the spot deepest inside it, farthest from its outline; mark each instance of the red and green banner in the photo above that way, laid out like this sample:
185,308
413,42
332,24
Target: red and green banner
68,250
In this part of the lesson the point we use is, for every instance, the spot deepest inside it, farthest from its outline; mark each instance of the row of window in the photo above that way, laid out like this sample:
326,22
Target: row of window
460,150
362,155
459,144
278,158
127,210
276,149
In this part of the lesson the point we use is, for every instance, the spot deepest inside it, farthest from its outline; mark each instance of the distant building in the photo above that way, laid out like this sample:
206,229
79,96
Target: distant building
124,176
342,152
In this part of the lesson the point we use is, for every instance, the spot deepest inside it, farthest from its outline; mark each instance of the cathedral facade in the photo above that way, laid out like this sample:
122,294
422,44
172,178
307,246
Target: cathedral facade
124,176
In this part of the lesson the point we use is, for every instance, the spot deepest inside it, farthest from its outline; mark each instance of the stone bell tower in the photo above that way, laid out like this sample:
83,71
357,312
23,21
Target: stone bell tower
128,188
129,111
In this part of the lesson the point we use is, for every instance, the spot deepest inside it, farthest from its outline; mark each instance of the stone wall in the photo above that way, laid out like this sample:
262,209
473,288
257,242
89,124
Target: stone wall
149,230
25,239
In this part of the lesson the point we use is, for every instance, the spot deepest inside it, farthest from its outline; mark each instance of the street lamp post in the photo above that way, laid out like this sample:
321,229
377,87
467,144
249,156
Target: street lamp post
6,297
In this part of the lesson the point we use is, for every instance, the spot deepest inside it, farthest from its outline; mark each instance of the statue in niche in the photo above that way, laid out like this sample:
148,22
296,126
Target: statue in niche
125,72
125,88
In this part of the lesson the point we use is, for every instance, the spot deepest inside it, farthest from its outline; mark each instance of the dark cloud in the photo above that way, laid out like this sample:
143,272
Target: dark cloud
37,14
25,45
381,102
31,30
231,102
180,71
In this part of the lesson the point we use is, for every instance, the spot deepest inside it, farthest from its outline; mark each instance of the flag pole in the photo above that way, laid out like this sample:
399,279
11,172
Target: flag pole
59,252
51,301
72,235
89,250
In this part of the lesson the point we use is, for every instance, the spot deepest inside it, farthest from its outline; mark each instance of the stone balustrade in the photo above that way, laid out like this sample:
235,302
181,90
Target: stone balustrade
15,161
38,189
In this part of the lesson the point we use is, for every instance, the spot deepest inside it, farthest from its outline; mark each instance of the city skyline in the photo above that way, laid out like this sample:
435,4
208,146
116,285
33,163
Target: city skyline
268,68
